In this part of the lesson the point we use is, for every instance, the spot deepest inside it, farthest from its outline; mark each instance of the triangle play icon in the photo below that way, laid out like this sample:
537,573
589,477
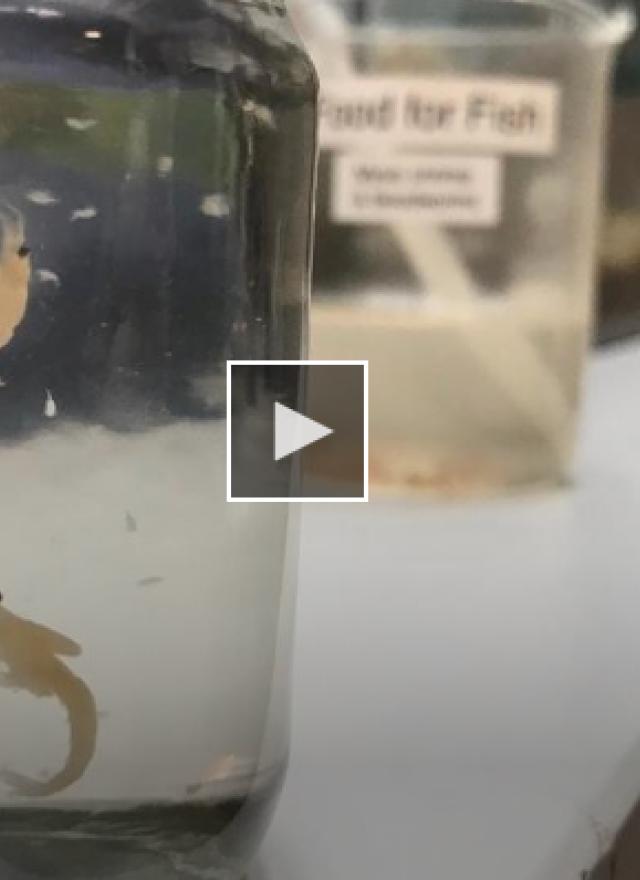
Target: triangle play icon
293,431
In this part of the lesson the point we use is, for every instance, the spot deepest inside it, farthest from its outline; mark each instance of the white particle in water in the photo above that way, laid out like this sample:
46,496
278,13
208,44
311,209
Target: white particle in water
48,276
215,205
87,213
260,113
44,12
164,165
41,197
80,124
93,35
50,408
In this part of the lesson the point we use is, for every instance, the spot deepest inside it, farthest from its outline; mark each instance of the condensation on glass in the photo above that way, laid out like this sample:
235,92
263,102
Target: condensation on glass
457,227
156,171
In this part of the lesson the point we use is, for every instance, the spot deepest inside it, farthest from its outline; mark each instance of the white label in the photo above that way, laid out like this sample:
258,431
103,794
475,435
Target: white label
498,115
443,190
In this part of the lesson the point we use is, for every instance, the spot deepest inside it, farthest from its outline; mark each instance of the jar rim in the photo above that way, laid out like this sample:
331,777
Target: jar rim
583,22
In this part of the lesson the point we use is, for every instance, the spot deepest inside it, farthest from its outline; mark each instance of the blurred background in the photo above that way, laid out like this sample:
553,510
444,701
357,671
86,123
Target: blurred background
467,673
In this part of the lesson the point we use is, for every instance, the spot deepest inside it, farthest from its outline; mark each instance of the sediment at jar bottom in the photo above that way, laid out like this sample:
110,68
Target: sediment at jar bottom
466,399
214,839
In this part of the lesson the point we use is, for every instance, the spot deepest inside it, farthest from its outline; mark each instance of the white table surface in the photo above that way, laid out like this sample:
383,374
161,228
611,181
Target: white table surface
467,682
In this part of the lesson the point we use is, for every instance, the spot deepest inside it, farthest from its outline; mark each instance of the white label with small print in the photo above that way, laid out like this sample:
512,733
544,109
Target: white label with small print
462,113
392,188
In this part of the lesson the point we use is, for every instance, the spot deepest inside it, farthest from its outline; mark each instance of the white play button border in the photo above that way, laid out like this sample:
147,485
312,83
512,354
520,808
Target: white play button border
294,431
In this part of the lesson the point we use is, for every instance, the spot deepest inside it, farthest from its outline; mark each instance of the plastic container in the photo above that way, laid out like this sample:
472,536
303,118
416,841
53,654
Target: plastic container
460,191
156,171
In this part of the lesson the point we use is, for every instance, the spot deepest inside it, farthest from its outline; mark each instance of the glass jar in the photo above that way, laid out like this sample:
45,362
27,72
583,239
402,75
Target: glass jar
156,177
619,313
460,185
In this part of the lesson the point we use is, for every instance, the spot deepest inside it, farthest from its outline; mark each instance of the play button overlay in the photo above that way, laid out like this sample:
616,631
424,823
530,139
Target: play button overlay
296,431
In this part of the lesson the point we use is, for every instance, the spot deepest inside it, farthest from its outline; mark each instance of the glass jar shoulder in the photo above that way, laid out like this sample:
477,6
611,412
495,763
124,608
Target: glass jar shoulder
146,42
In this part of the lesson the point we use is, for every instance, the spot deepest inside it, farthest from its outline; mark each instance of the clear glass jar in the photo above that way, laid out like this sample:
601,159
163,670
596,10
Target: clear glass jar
156,176
459,198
